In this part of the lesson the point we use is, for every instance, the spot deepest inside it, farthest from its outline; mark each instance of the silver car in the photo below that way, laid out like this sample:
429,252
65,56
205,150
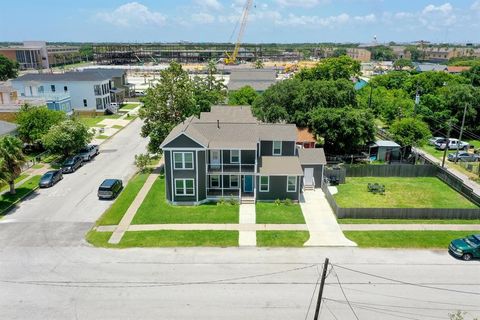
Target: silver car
464,156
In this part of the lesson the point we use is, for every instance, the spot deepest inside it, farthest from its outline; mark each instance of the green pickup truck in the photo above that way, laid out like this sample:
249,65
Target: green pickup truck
466,248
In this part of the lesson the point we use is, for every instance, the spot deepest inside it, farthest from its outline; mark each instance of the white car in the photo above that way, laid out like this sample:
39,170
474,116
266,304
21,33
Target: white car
454,144
435,140
89,152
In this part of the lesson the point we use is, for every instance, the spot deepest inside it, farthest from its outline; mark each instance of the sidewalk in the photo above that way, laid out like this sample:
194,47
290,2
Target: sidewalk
110,127
209,227
410,227
247,237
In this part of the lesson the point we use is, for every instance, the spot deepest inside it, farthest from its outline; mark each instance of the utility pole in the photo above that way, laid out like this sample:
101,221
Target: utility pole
461,132
417,101
320,291
370,98
447,143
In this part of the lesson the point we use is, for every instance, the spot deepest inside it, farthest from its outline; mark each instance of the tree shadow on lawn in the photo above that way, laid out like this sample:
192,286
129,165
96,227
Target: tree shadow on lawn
7,206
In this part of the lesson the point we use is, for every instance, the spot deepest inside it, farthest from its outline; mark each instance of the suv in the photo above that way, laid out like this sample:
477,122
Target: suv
466,248
109,188
50,178
452,145
433,141
89,152
72,164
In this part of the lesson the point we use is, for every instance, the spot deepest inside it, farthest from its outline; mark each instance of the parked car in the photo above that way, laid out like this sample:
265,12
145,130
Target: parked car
50,178
452,145
72,164
433,141
89,152
464,156
109,189
466,248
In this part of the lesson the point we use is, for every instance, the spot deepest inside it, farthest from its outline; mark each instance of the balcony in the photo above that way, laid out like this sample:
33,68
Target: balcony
223,193
230,168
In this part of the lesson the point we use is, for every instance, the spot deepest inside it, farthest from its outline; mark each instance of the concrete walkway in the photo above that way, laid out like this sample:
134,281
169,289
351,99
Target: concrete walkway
322,225
248,236
132,210
410,227
209,227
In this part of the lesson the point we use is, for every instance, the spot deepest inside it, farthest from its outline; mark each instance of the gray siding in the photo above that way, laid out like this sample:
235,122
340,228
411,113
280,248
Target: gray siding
202,176
168,176
248,156
182,141
277,189
288,148
185,174
317,173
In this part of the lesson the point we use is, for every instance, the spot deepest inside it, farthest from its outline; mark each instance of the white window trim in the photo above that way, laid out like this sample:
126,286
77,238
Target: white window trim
238,181
184,194
239,157
296,181
260,184
183,161
273,148
210,182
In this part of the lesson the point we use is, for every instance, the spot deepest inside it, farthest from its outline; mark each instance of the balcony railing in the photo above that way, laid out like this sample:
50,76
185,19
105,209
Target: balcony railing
223,193
230,168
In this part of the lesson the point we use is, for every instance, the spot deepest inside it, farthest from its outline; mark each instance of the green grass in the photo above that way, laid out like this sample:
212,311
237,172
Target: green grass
406,221
37,166
92,121
7,201
117,126
405,239
156,210
167,238
115,213
102,137
129,106
4,187
419,192
282,238
281,214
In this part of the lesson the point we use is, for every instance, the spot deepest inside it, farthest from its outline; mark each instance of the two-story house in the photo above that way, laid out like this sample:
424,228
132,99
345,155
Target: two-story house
228,153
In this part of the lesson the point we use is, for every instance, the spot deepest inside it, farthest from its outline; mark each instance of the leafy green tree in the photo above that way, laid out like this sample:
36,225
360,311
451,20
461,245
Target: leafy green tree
67,137
340,52
336,68
142,161
473,75
242,97
391,80
415,54
344,130
33,122
382,53
410,132
400,64
207,91
86,52
11,160
8,68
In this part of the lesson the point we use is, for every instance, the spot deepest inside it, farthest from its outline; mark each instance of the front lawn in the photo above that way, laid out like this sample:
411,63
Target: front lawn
93,120
129,106
282,238
5,186
419,192
115,213
270,213
7,201
167,238
405,239
156,210
406,221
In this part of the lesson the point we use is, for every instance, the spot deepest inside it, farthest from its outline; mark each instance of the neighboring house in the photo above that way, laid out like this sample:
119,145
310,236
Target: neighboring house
8,95
121,88
359,54
7,128
305,138
424,67
228,153
258,79
384,150
457,69
81,91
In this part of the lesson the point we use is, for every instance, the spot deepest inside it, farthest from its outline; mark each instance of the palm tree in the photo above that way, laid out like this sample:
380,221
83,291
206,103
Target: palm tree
11,160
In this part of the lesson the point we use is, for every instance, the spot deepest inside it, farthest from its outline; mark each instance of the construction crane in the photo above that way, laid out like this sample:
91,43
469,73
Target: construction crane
232,58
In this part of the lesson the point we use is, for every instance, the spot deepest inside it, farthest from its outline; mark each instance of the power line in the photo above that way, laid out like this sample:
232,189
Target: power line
313,293
343,292
408,283
329,310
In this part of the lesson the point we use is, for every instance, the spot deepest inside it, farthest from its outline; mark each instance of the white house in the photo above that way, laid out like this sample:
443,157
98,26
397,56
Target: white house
83,91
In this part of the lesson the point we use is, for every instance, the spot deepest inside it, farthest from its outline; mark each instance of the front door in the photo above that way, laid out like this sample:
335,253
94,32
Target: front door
248,184
308,176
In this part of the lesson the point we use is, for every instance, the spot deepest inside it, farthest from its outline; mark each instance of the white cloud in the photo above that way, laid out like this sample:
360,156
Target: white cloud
366,19
475,6
445,8
203,18
438,17
300,3
131,14
331,21
209,4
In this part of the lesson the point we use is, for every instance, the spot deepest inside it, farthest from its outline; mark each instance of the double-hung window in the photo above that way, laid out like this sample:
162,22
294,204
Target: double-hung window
291,184
184,187
234,182
234,156
277,148
215,181
264,183
183,160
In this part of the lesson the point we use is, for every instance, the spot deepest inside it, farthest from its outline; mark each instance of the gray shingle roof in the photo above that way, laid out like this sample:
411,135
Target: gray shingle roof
258,79
312,156
386,143
424,67
114,72
271,166
67,76
7,128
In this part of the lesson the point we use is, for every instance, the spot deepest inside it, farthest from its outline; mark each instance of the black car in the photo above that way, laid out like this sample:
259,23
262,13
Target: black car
72,164
110,188
50,178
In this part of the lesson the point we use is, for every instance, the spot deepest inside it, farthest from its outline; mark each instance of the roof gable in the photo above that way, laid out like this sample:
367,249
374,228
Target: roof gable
182,141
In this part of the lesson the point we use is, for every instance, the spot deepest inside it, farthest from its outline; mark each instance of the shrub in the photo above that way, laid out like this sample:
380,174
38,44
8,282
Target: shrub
221,202
233,201
278,202
288,202
142,161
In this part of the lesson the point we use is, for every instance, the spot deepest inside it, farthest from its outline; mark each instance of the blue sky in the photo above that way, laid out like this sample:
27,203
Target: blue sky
214,20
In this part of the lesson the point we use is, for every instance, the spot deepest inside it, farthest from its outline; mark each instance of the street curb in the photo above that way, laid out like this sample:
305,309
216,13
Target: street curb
7,209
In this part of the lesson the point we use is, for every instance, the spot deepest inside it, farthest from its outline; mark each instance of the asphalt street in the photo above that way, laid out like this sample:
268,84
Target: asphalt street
47,270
